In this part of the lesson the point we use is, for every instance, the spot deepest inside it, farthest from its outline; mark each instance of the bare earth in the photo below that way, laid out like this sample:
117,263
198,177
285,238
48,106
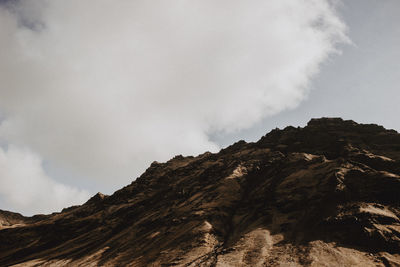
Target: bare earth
324,195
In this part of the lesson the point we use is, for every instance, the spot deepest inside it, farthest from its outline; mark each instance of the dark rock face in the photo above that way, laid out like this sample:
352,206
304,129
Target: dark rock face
324,195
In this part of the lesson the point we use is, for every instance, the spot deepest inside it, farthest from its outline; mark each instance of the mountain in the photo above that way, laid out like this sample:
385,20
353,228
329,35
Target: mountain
327,194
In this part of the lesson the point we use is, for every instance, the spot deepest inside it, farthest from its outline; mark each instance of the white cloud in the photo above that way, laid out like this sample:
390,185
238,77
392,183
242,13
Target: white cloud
25,187
103,88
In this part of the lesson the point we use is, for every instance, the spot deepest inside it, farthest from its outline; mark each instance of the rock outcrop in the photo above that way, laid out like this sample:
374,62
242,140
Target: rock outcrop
327,194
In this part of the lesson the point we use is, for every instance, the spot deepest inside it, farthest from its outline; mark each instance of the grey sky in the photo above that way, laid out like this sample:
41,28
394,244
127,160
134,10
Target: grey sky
92,94
362,84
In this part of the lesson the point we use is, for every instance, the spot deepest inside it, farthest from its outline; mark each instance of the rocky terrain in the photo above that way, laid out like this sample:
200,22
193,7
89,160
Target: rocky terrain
327,194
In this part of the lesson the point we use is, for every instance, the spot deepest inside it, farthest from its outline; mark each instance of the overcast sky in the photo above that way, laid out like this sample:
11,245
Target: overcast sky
90,94
361,84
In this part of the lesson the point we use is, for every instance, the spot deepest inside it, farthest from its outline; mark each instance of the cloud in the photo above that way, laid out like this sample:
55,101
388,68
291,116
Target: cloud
104,88
25,187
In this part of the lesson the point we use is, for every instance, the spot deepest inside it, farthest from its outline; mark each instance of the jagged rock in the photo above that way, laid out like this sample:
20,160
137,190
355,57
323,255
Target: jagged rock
327,194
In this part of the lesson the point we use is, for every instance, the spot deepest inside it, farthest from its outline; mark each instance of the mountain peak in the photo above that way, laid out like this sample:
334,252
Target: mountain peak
323,120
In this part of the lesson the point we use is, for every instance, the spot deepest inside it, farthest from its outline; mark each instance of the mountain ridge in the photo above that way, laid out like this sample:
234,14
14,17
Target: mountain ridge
327,194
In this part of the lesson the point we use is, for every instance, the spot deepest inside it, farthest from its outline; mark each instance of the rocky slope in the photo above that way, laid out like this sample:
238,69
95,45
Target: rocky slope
324,195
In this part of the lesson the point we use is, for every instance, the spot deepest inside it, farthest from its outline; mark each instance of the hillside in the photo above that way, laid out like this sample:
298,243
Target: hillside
327,194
